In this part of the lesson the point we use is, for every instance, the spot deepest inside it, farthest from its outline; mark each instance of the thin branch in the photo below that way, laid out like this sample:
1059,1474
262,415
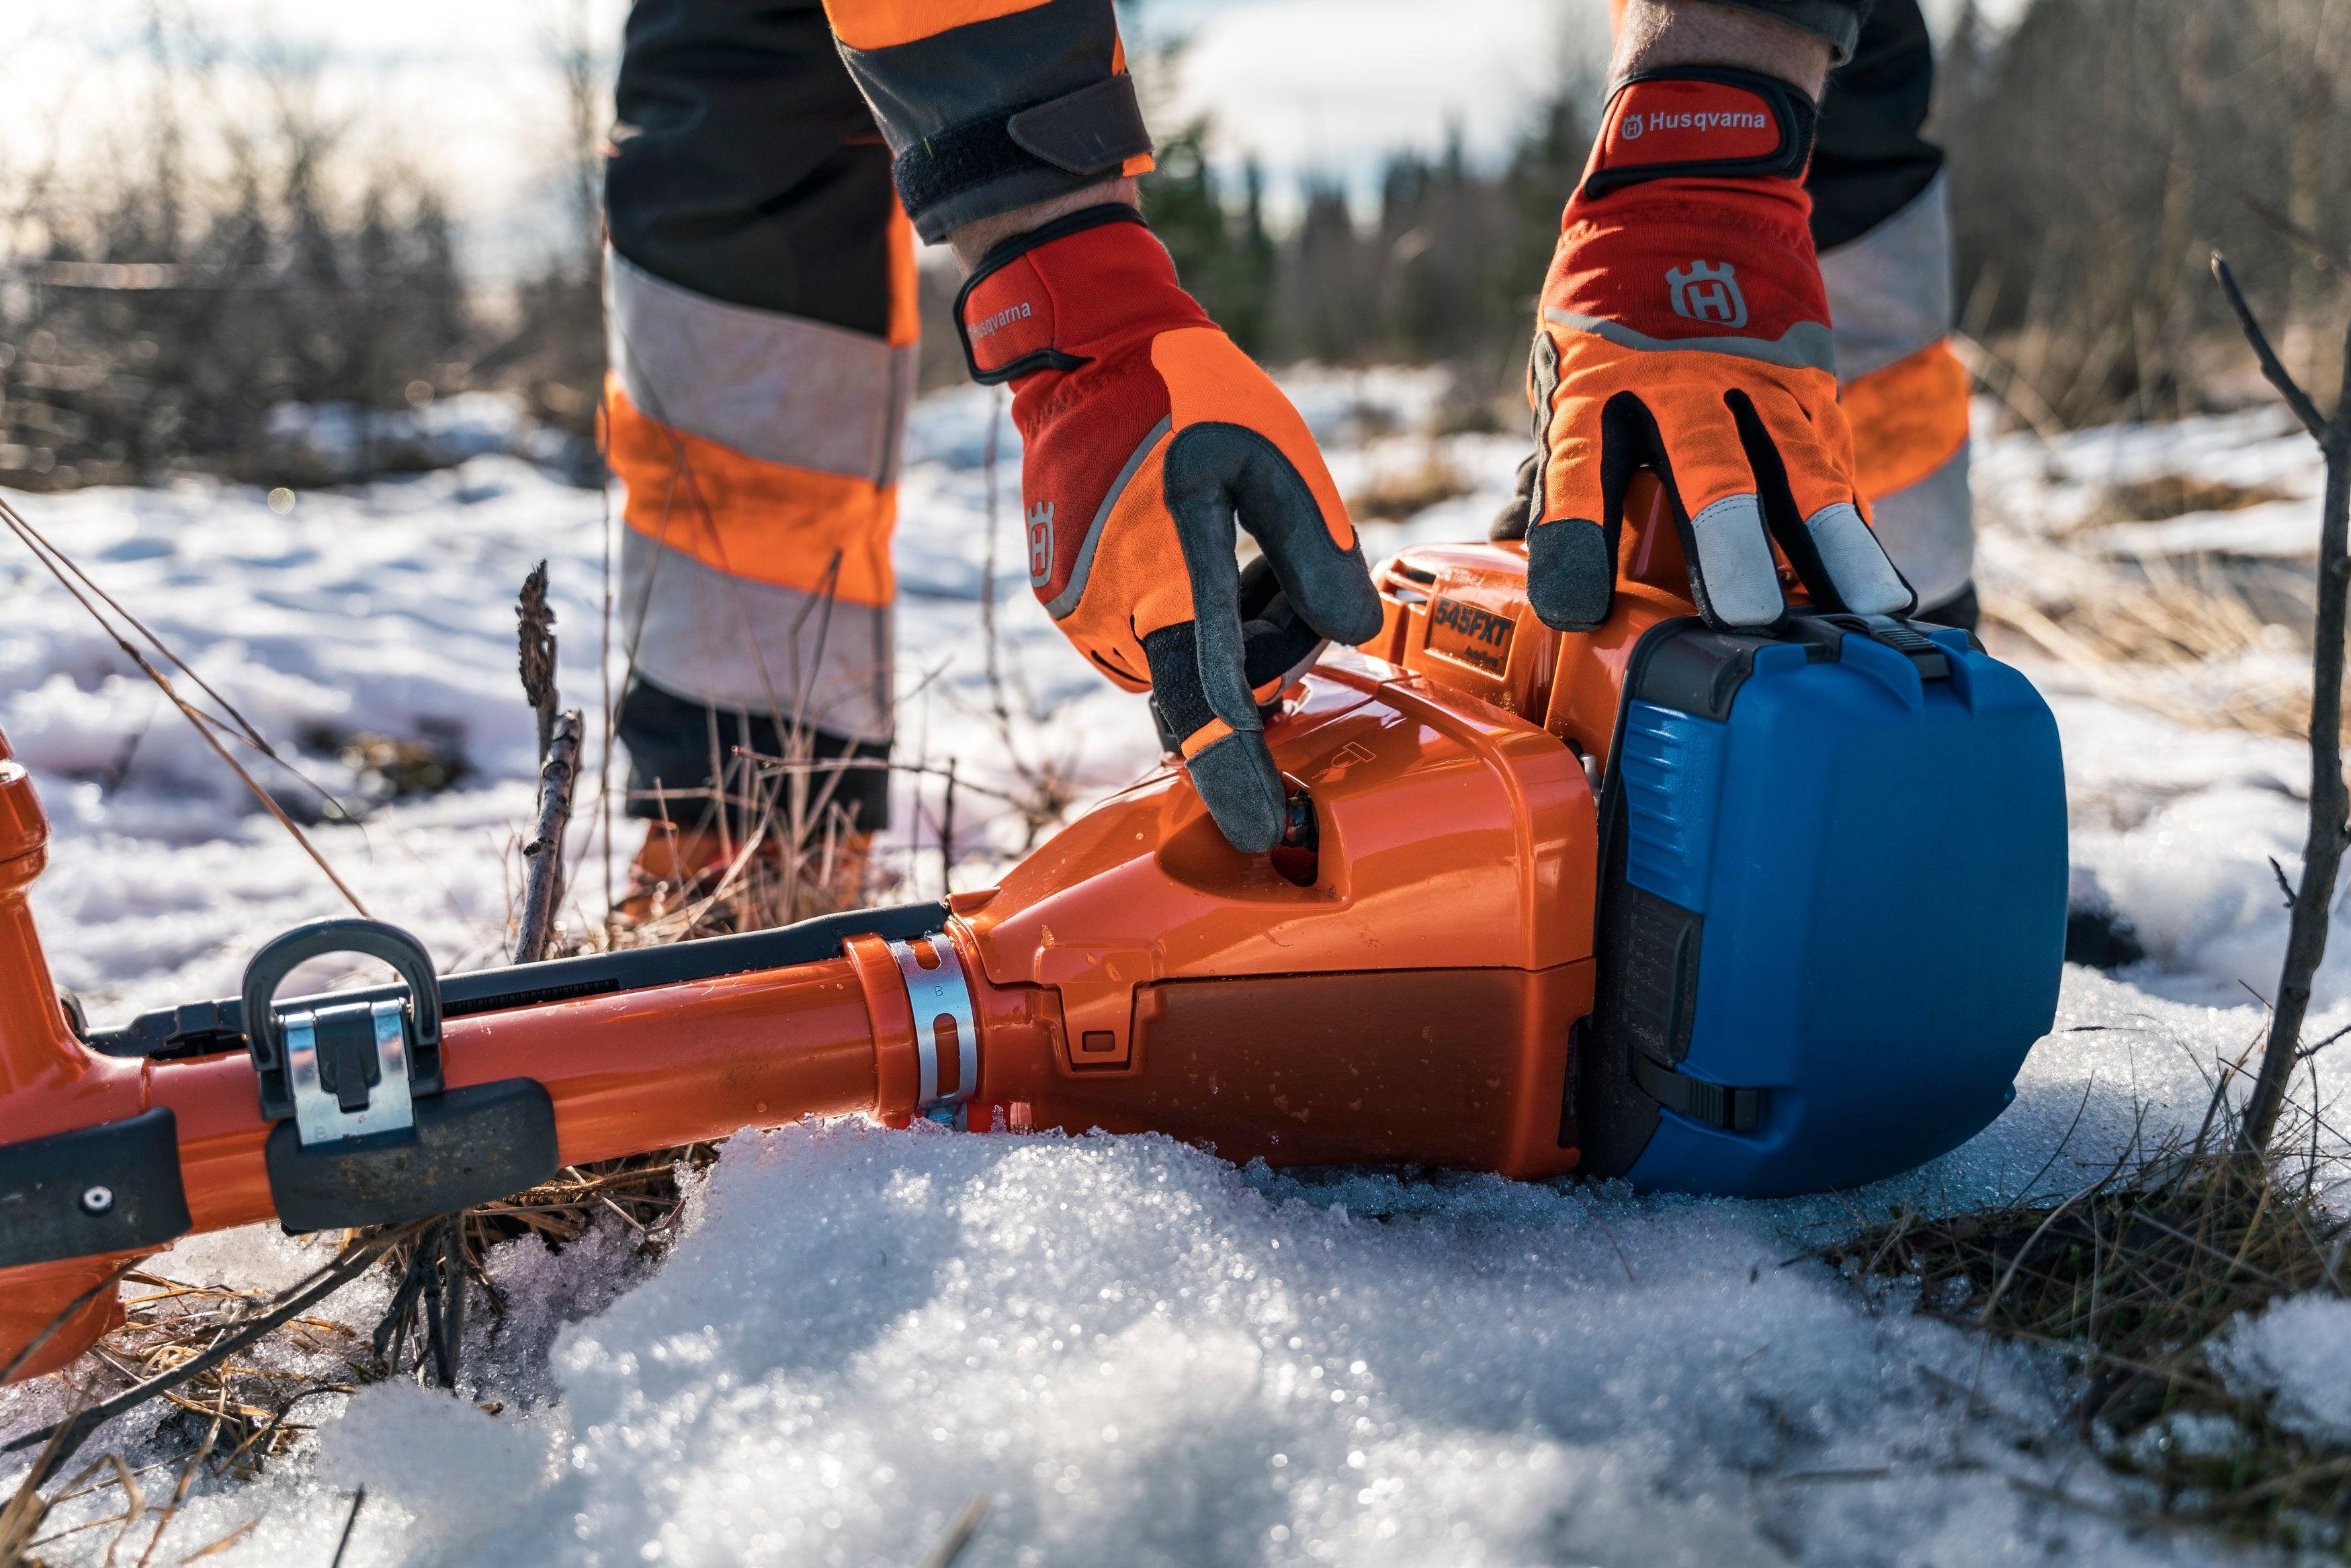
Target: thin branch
343,1544
203,723
60,564
2330,803
2275,371
543,856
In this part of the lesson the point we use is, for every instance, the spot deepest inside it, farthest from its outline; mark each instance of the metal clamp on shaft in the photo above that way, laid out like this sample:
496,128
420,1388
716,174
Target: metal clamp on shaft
366,1132
350,1070
354,1108
940,997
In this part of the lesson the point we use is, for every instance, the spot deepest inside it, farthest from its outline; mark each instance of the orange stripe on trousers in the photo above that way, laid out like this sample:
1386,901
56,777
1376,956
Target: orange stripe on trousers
1909,419
767,522
881,24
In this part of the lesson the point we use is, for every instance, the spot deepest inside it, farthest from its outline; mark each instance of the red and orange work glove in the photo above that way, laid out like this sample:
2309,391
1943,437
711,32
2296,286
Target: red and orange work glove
1145,433
1685,329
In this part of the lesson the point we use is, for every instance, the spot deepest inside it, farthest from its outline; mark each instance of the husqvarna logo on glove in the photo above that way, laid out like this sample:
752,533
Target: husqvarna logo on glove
1041,543
1633,124
1706,291
1001,319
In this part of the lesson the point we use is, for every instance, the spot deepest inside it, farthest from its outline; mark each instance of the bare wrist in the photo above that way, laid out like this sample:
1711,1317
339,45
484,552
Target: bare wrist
974,239
1657,34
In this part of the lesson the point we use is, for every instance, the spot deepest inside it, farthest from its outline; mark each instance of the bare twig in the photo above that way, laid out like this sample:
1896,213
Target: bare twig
946,832
2330,803
343,1543
543,855
204,724
535,635
958,1535
2271,367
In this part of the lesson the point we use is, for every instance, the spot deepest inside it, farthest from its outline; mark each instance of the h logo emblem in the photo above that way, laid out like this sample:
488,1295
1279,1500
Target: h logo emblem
1706,291
1041,543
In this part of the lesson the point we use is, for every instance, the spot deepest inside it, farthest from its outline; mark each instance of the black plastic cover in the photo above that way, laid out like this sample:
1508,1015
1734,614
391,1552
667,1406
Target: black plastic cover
114,1187
470,1146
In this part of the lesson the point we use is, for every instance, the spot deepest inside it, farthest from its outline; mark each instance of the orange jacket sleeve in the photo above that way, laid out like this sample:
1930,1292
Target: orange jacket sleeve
989,105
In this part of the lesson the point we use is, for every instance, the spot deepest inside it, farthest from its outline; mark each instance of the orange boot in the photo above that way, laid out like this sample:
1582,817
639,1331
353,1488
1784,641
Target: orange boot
742,890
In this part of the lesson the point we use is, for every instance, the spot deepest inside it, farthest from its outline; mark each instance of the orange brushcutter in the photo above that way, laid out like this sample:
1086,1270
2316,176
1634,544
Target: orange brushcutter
1721,912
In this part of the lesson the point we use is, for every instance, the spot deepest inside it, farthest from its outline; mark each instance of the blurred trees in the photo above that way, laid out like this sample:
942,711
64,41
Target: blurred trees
2102,149
153,316
164,321
2099,151
1445,267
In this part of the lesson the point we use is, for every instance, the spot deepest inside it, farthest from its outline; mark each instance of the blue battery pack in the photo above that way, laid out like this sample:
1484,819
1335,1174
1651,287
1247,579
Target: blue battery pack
1835,914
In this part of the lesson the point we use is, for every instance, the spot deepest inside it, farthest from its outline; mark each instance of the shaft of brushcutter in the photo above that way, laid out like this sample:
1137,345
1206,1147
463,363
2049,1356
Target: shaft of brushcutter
629,1072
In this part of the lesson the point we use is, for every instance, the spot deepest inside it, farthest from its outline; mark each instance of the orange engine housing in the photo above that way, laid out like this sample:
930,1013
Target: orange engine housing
1412,999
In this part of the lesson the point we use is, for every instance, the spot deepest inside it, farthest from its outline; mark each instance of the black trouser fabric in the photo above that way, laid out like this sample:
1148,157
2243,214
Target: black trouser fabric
745,167
673,738
744,164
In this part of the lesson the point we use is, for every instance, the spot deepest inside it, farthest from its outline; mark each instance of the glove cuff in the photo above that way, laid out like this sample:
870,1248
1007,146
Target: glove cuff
1712,122
1066,292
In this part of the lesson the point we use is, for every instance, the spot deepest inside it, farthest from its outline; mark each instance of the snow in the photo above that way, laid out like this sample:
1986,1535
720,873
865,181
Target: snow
1136,1352
2298,1351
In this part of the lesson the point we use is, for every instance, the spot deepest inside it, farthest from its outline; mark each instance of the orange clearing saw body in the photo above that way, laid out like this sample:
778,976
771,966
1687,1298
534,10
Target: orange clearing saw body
1407,989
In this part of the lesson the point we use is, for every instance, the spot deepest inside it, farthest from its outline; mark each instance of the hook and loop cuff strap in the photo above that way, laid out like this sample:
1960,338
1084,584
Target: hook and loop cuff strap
1008,330
1701,122
1085,134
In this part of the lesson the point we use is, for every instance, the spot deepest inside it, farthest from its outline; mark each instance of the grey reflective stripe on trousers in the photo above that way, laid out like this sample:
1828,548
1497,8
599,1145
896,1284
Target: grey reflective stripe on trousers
1890,290
1928,529
1890,297
780,388
735,643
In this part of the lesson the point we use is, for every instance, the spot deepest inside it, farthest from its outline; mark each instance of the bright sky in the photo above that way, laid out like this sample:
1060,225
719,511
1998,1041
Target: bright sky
467,88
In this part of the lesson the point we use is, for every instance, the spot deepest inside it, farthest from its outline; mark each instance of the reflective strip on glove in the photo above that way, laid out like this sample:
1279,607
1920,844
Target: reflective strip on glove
1685,329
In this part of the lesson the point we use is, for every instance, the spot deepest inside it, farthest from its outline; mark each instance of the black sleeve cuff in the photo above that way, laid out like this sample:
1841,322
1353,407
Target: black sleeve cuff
998,163
1838,21
983,116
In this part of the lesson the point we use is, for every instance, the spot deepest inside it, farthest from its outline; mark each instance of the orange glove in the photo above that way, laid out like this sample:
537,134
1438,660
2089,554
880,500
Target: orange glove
1685,329
1144,433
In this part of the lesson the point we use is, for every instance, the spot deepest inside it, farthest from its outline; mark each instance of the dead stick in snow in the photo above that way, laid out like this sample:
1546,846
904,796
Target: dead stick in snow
2330,804
342,1546
535,634
542,858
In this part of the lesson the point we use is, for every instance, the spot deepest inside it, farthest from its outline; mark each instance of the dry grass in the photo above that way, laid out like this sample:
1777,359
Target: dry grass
2168,495
2131,1282
1394,496
231,1410
2159,638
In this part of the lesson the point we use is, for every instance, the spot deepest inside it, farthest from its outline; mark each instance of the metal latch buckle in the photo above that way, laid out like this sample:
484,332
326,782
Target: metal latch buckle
345,1070
369,1045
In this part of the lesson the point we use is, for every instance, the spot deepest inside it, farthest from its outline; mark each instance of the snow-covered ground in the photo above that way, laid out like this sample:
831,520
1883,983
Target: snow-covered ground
1140,1353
